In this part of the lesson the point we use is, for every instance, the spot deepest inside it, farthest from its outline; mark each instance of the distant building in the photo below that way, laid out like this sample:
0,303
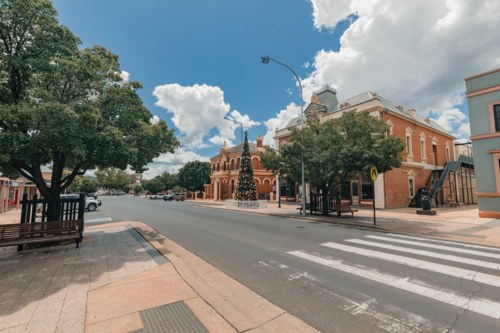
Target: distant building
483,97
429,147
225,170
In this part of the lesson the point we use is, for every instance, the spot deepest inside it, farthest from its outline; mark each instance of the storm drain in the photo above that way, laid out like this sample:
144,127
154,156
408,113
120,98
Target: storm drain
170,318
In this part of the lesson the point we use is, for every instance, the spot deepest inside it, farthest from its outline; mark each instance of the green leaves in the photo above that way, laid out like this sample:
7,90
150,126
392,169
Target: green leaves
66,106
340,149
194,175
113,178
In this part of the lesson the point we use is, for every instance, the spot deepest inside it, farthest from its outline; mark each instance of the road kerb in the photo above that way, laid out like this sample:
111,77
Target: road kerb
241,307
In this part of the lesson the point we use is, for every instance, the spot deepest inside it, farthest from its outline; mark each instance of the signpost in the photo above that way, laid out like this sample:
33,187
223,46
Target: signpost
374,175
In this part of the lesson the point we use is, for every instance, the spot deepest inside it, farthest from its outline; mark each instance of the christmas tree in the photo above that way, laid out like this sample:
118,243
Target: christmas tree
246,189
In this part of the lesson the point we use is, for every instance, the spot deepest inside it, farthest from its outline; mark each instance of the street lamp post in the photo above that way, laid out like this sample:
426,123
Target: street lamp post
265,60
237,122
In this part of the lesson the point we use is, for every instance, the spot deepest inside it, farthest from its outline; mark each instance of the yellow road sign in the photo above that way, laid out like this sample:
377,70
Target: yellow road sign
374,173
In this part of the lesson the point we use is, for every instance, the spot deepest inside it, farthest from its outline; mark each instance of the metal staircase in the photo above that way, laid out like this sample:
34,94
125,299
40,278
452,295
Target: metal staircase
440,176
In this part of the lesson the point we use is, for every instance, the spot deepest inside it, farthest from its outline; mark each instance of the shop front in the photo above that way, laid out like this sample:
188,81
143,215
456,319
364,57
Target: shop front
288,189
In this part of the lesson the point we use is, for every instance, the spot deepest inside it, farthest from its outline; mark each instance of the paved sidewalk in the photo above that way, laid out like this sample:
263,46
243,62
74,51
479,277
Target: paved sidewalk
459,223
118,281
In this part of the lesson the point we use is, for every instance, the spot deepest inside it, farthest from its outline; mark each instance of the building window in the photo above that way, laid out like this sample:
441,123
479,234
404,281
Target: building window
408,145
224,166
448,158
412,188
345,191
496,116
232,164
287,188
238,163
218,166
366,187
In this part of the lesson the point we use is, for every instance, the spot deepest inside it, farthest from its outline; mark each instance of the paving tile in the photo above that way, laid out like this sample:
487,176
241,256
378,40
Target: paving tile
17,329
20,313
124,324
111,302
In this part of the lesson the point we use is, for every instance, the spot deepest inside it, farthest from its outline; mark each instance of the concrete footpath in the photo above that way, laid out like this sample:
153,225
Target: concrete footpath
126,277
458,223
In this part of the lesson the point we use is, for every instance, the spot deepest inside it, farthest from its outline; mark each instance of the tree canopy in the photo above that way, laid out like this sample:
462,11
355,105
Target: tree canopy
89,185
113,178
336,150
194,175
66,106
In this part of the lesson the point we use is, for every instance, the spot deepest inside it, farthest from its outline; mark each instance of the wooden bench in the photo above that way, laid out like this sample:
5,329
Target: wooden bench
40,232
308,207
344,208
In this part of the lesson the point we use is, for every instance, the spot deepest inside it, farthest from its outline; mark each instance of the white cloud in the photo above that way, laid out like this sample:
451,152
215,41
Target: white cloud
155,120
289,91
219,141
197,110
281,120
415,53
450,118
306,64
125,75
172,162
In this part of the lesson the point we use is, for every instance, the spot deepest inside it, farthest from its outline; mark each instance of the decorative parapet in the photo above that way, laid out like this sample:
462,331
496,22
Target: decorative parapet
256,204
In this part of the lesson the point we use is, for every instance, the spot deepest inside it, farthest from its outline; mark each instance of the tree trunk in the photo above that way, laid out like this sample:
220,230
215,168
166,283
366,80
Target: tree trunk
324,196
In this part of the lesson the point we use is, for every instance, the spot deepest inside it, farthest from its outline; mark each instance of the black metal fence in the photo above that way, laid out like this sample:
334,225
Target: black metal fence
44,210
316,202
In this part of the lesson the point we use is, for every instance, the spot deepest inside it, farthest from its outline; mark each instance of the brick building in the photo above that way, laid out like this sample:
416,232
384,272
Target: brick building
225,169
429,148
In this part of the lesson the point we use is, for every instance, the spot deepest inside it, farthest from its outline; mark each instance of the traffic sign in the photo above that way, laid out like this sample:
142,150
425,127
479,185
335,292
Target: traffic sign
374,173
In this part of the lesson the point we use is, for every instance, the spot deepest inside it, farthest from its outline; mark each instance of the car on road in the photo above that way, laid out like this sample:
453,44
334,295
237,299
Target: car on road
91,204
155,196
179,196
168,197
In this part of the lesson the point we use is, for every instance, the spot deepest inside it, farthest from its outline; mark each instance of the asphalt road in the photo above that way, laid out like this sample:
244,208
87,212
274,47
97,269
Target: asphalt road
336,279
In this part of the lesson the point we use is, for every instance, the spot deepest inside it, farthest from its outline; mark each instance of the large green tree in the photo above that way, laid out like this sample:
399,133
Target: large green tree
335,151
113,178
194,175
89,185
154,185
66,106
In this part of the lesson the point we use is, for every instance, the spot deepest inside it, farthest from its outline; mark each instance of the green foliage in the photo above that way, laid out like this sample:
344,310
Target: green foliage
89,185
67,107
177,189
113,178
137,188
154,185
75,185
194,175
336,150
246,189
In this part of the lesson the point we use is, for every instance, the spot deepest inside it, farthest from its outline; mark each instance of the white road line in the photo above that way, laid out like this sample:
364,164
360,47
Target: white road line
448,242
427,265
396,321
434,246
102,219
478,305
449,257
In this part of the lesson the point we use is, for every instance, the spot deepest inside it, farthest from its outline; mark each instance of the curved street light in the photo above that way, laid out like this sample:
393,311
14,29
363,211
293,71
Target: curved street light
265,60
237,122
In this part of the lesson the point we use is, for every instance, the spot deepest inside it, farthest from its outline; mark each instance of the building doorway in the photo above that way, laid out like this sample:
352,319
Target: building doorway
287,190
355,193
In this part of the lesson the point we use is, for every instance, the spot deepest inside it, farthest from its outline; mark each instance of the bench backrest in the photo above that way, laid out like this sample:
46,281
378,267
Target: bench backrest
40,229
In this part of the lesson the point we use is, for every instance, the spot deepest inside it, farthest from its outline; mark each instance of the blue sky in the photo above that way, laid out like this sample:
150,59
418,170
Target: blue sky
209,53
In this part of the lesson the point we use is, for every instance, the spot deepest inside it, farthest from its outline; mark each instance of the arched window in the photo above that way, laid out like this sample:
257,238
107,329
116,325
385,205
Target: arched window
255,163
213,169
224,166
232,164
232,184
218,166
238,164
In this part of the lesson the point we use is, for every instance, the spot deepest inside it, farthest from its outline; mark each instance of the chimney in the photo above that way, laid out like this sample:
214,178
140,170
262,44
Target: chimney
328,97
259,142
412,113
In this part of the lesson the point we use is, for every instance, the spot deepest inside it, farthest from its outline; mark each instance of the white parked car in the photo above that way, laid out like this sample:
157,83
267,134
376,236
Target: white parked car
156,196
91,204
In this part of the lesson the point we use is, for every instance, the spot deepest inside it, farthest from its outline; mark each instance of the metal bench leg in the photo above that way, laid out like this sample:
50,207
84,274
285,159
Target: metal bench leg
20,247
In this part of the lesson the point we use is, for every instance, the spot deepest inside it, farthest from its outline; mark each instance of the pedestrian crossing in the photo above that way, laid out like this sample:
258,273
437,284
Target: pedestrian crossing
475,263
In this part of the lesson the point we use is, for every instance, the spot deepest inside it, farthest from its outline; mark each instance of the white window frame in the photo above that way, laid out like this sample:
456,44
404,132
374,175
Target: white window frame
409,150
448,153
423,148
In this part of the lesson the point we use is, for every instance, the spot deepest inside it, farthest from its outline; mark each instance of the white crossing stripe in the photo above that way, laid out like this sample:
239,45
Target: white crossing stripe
434,246
449,257
102,219
472,246
482,306
427,265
